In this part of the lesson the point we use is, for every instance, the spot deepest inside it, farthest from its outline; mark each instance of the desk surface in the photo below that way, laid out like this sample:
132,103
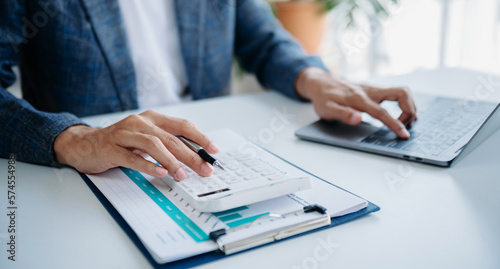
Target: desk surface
431,217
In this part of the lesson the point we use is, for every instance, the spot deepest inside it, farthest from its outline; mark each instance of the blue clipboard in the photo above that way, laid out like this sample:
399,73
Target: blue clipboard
214,255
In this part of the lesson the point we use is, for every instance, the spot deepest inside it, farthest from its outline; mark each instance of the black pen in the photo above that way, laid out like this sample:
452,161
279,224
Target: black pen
201,152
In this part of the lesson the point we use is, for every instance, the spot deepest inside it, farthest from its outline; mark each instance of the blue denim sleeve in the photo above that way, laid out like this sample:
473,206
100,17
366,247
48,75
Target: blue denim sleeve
24,131
267,50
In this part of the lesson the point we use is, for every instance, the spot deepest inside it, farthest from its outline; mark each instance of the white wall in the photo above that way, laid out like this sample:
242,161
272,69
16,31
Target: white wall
411,39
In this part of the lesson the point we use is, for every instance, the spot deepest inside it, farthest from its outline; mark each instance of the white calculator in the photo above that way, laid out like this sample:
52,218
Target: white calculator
250,175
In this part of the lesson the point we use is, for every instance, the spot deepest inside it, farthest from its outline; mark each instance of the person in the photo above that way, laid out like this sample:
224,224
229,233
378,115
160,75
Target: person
82,58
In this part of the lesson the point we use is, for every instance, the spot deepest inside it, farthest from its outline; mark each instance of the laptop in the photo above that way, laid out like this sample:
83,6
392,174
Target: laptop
446,130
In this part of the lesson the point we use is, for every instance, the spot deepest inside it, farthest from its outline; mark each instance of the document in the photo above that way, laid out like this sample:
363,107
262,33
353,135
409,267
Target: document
171,230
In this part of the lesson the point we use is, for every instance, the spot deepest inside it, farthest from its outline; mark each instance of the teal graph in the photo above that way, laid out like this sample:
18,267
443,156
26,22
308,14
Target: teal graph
232,218
236,217
166,205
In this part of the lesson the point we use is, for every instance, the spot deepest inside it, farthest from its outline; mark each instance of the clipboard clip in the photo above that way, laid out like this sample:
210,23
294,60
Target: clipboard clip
229,247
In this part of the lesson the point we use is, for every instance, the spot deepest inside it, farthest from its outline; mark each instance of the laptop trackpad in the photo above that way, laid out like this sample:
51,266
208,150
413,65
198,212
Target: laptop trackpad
336,130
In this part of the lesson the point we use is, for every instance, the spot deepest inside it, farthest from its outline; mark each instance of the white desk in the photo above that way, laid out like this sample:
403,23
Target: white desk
430,218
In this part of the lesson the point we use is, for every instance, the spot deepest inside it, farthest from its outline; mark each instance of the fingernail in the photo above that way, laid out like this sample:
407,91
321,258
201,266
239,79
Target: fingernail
406,134
160,171
354,118
206,169
213,147
180,174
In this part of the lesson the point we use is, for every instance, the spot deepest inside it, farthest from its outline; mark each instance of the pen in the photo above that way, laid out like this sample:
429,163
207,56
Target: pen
201,152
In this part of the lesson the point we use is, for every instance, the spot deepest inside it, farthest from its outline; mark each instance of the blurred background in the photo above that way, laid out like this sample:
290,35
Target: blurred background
361,39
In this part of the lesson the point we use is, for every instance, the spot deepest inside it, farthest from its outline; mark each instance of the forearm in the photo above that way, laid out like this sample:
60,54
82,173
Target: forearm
267,50
29,133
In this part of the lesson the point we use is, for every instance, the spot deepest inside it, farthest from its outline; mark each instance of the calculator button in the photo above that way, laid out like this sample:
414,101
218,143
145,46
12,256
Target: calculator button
251,177
251,163
243,172
243,158
234,180
267,172
275,177
259,168
233,166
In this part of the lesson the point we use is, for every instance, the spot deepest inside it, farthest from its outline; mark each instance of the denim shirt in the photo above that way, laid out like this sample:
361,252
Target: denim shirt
75,62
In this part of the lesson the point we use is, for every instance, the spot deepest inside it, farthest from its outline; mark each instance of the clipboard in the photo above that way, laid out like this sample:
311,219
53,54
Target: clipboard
230,240
220,254
178,235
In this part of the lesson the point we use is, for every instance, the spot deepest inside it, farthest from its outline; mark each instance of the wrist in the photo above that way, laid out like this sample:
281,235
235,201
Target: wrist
309,82
66,140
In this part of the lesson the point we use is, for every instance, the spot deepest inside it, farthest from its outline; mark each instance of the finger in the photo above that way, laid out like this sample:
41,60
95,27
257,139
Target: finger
126,158
406,119
381,114
163,146
187,156
400,94
139,152
179,151
155,147
344,114
407,105
177,127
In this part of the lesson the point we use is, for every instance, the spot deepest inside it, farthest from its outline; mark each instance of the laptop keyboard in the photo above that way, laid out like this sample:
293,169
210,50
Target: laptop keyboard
444,123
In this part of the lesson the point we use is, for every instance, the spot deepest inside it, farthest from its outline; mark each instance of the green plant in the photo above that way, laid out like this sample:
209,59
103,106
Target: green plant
350,7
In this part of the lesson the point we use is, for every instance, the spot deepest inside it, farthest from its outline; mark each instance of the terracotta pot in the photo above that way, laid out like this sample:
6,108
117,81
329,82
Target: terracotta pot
304,20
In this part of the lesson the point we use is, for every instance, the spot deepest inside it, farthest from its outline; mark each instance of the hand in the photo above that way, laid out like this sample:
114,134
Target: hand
335,99
92,150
